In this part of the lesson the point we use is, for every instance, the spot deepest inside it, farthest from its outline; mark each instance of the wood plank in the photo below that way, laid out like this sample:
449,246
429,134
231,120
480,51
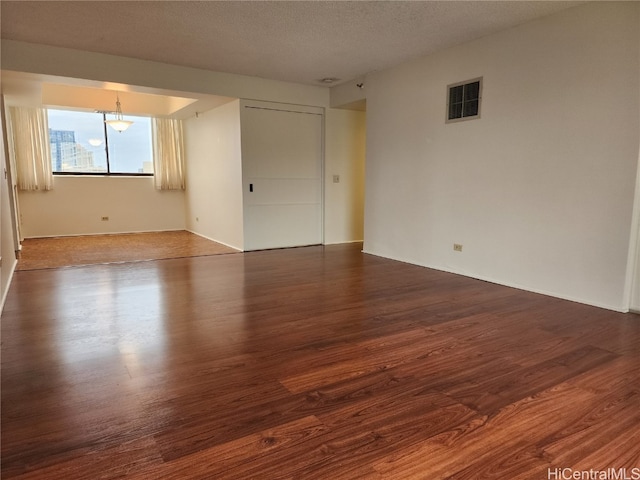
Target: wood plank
244,457
52,252
314,362
120,461
501,390
493,439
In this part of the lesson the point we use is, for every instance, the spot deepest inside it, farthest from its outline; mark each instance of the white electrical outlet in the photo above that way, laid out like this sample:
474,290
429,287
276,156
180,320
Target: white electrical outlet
457,247
105,219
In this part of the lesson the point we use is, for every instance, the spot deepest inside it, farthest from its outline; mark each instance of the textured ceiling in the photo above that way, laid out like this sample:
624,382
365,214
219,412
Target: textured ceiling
299,41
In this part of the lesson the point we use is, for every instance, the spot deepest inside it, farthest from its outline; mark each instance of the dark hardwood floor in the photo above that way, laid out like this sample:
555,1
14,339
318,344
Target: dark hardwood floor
309,363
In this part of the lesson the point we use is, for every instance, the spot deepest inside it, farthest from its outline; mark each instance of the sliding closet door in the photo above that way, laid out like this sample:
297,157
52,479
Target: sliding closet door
282,176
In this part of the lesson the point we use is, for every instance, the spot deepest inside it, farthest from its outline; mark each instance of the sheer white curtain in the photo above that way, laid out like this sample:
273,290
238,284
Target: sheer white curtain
168,153
29,132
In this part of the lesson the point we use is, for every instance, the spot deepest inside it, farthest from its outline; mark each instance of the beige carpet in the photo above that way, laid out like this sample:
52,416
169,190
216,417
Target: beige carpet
39,253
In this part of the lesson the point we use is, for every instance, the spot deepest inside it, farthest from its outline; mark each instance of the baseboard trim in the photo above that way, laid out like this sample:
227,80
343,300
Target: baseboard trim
342,243
506,284
107,233
214,240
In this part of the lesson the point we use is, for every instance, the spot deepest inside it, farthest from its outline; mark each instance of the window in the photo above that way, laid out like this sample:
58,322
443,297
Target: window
464,100
82,144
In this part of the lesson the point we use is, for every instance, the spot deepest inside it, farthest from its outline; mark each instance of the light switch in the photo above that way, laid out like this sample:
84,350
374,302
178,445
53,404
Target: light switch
336,179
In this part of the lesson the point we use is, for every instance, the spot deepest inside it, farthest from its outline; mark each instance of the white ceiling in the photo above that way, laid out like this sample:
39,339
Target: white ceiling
296,41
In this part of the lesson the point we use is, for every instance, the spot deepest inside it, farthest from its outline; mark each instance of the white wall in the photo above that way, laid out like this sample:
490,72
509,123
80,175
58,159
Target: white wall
348,93
634,255
635,280
7,244
345,147
539,190
48,60
64,62
634,252
214,175
76,205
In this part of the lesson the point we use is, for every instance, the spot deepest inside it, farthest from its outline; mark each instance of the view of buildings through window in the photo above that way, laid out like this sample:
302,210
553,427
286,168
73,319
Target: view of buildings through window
81,143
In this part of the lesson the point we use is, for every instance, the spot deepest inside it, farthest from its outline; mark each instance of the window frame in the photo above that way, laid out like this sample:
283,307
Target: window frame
464,83
108,173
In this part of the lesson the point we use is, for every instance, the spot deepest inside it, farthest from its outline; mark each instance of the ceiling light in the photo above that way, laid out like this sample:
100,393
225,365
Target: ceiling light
119,124
328,80
95,142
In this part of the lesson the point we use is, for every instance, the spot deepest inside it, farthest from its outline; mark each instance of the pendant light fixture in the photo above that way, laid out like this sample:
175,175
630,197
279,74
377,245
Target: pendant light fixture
118,124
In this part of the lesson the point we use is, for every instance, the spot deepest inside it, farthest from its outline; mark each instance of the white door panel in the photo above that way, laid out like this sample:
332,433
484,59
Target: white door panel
282,178
272,191
274,224
279,144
